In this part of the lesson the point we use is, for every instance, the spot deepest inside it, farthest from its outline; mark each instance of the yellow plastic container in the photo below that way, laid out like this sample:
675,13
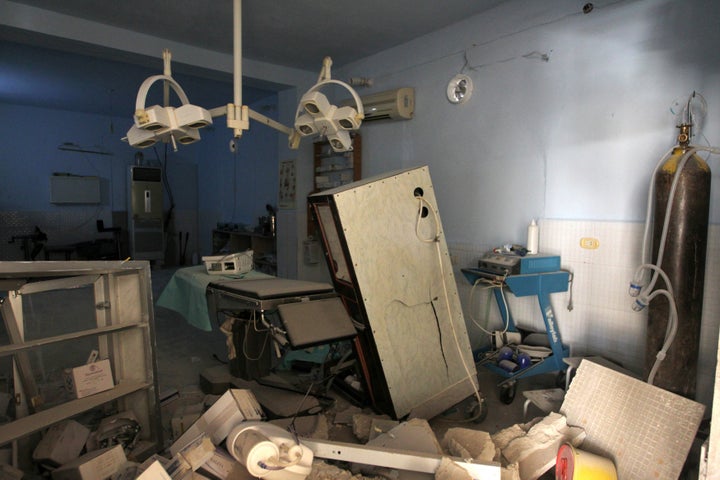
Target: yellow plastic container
574,464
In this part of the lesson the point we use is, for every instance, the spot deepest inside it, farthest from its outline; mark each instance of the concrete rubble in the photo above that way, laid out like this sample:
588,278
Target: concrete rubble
534,450
521,452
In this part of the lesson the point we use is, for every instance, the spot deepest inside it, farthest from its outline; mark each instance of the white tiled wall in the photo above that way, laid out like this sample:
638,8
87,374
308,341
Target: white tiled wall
601,321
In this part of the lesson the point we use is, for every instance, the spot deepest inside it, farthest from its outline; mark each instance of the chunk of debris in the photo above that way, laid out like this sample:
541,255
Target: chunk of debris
449,470
345,417
378,426
362,424
61,443
535,452
324,471
415,435
469,444
309,426
503,437
511,472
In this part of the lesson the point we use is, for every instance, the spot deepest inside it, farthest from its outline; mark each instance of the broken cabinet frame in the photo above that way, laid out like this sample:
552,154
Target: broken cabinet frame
124,329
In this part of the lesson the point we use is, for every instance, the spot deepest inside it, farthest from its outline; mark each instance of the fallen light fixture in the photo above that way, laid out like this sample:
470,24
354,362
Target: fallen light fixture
181,124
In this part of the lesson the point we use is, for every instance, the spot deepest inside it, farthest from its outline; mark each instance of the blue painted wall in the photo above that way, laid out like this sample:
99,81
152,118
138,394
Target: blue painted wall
54,98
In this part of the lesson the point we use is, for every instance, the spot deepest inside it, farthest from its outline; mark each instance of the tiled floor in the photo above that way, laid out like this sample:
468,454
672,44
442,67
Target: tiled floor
184,352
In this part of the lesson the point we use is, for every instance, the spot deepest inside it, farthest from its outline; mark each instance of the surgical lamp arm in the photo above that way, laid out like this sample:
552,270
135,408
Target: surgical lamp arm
293,136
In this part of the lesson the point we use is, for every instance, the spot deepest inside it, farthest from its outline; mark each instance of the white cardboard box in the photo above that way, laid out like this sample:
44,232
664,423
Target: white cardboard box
61,443
154,472
89,379
233,407
96,465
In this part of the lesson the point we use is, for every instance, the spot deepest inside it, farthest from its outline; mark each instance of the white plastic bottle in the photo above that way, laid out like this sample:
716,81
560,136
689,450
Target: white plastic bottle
532,240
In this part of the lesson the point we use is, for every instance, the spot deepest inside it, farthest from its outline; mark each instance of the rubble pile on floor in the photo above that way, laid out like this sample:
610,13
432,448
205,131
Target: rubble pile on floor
231,440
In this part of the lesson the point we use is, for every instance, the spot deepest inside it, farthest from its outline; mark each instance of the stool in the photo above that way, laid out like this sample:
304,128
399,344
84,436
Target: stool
547,400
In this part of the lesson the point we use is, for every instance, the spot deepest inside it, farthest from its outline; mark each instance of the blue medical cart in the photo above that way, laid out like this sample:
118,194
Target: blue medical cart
540,285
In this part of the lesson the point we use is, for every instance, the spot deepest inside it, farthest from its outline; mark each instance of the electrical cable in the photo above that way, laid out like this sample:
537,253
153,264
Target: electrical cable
491,285
571,281
245,341
436,241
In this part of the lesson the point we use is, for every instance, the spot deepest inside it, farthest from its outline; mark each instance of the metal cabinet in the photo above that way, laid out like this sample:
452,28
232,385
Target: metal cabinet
388,259
57,313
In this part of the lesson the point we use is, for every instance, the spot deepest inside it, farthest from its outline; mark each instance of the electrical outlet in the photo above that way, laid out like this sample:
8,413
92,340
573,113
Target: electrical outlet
589,243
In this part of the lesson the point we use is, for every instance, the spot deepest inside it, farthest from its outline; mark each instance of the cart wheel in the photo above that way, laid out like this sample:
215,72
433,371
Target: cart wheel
507,392
479,412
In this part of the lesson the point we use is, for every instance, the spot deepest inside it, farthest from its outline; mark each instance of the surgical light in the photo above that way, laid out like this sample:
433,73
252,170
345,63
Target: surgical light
192,116
152,118
186,135
340,141
346,118
140,138
314,103
305,125
315,114
168,124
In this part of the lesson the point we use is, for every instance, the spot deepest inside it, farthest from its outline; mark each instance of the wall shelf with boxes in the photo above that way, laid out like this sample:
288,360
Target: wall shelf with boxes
332,169
264,247
57,313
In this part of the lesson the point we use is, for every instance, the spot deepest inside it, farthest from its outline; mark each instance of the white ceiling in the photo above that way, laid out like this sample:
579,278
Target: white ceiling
292,33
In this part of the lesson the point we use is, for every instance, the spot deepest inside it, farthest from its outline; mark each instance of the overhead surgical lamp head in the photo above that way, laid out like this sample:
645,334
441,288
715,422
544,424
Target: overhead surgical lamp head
340,141
192,116
315,115
152,118
347,118
186,135
166,123
315,103
305,125
140,138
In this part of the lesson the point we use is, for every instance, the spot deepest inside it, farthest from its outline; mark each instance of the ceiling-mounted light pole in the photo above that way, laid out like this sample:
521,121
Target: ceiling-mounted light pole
181,125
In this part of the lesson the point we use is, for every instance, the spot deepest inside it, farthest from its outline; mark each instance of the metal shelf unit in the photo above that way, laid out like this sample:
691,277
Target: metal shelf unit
53,313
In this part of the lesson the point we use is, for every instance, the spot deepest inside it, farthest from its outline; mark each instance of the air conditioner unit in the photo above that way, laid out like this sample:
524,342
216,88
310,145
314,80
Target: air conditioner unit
398,104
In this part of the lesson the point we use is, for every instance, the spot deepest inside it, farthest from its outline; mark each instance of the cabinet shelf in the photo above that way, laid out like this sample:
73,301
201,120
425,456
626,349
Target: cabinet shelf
36,422
7,350
65,310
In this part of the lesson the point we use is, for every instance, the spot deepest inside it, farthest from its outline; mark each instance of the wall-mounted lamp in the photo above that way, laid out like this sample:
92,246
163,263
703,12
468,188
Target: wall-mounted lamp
459,89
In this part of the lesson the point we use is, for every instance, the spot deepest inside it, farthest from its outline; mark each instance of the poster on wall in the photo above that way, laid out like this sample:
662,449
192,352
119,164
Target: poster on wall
287,185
